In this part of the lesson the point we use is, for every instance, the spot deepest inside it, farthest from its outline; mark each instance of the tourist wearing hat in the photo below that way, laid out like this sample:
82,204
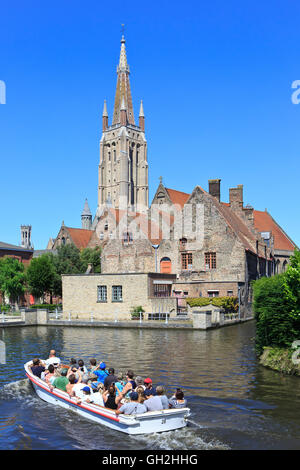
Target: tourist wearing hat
149,385
101,373
89,397
133,407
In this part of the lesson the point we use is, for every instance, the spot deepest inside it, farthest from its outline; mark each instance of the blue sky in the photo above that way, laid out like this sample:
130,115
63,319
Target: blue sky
215,79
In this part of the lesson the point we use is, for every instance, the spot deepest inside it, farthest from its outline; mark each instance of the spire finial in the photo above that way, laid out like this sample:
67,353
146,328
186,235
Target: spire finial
122,31
160,179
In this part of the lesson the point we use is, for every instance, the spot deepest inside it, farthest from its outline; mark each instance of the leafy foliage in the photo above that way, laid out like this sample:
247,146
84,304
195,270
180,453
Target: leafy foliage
137,311
41,276
229,304
51,307
12,278
276,307
91,256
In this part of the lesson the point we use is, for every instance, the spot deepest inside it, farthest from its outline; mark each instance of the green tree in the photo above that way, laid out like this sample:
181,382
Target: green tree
275,324
91,256
12,278
292,285
41,276
67,260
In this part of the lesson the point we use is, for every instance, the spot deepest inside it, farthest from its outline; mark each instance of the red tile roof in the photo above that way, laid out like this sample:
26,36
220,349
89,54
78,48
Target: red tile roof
177,197
264,222
80,236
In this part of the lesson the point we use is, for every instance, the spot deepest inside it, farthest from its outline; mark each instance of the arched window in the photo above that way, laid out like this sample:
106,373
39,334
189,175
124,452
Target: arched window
284,266
63,241
165,265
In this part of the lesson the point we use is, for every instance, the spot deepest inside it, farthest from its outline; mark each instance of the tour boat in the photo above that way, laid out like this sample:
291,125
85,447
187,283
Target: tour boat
145,423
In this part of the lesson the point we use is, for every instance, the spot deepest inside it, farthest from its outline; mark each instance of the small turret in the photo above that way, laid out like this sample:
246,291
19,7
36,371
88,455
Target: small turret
104,117
86,217
142,118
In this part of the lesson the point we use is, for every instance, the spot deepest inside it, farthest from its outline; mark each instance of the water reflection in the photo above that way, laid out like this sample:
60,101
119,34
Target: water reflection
235,402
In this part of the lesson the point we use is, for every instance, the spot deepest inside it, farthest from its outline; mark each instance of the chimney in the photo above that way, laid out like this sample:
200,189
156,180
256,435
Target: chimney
249,215
215,188
236,197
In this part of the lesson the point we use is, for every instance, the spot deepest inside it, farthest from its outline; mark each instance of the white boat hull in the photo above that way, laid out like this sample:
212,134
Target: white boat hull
146,423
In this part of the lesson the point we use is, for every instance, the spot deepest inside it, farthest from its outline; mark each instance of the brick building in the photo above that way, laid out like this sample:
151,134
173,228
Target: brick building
212,248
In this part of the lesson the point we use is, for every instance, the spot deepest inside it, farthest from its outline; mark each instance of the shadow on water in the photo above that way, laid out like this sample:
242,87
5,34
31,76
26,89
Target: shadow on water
235,403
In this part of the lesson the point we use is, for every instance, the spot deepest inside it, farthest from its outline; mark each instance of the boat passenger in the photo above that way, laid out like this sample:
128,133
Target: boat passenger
37,367
109,398
52,359
102,373
149,385
152,402
119,383
70,385
130,385
139,381
88,397
93,365
97,398
111,378
82,367
60,382
73,362
160,391
133,407
178,400
77,388
93,382
49,373
141,393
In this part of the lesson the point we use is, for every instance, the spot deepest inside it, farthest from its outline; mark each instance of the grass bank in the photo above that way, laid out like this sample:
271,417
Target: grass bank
280,359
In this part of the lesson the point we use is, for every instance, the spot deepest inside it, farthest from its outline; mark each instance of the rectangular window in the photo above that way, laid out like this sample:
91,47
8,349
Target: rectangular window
213,293
187,261
117,294
210,260
162,290
102,294
229,293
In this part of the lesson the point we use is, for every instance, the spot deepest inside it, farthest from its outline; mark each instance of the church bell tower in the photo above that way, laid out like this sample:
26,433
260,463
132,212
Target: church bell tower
123,168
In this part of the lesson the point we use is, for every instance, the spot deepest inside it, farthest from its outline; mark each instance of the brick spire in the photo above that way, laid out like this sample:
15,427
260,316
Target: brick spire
123,89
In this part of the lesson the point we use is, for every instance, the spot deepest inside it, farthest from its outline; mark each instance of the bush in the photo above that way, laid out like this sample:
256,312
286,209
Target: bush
199,302
50,307
137,312
275,325
229,304
5,308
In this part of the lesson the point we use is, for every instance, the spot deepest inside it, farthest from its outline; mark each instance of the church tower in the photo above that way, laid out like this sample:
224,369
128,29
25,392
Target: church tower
123,169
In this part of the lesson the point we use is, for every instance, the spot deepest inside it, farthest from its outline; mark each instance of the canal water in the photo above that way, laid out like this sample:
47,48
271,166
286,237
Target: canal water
235,402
